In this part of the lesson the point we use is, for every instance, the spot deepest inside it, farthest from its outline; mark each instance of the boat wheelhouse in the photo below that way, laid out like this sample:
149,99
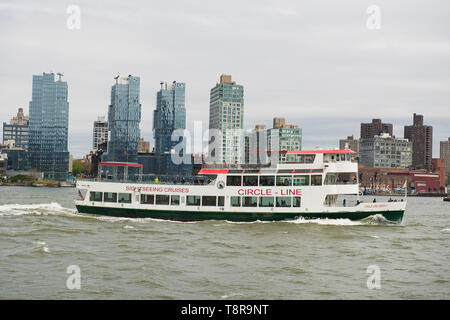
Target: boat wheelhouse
308,186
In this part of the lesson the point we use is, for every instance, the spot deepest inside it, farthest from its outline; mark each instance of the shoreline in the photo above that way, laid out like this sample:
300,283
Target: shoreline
35,185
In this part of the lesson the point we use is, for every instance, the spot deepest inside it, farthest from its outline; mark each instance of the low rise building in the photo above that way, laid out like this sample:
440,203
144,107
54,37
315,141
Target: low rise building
386,180
385,151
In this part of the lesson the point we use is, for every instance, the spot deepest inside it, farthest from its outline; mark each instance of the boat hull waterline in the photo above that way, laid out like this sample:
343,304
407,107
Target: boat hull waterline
394,216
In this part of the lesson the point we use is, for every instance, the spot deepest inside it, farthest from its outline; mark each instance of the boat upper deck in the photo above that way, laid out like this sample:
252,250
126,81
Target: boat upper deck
303,162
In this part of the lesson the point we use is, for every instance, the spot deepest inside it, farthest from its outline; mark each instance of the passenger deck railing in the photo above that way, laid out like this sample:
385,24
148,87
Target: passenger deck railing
156,179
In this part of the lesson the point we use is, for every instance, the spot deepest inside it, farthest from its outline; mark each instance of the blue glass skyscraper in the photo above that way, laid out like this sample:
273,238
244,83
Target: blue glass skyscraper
124,116
49,122
170,114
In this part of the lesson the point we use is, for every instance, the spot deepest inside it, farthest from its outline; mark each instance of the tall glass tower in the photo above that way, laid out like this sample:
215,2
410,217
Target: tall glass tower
124,116
49,122
226,114
170,114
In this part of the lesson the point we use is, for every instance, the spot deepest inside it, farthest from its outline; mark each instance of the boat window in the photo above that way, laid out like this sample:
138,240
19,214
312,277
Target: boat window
250,180
283,201
235,201
162,199
147,198
234,180
220,201
317,170
209,201
309,158
250,202
285,171
316,180
193,200
302,170
252,171
266,201
96,196
342,157
124,197
330,178
175,200
301,158
284,181
301,181
296,201
268,170
235,171
267,181
110,197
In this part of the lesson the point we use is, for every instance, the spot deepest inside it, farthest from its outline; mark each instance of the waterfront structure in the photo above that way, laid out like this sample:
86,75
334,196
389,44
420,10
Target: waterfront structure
438,166
3,165
376,128
289,138
226,114
100,133
421,137
349,143
124,117
444,153
49,122
385,151
18,159
392,180
17,130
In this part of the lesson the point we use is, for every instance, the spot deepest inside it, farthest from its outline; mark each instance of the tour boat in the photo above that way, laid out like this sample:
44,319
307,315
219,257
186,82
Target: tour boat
308,186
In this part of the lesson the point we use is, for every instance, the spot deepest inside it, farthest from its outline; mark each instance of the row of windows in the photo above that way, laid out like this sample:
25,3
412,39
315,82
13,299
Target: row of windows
162,199
110,197
267,181
284,202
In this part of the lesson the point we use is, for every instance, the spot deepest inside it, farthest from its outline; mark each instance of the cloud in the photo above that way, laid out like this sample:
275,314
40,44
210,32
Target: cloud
313,62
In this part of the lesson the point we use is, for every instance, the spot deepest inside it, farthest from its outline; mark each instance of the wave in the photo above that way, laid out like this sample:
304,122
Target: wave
55,208
41,246
326,221
230,295
45,209
376,219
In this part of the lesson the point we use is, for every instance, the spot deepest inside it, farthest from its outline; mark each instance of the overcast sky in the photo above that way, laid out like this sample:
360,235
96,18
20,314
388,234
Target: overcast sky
316,63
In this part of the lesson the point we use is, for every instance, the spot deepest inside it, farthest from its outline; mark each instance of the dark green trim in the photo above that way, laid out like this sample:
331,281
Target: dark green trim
393,216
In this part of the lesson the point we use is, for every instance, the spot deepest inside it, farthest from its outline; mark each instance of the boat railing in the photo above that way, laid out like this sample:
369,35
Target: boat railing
157,179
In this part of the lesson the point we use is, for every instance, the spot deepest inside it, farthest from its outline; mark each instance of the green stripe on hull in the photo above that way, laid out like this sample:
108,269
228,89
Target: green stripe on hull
393,216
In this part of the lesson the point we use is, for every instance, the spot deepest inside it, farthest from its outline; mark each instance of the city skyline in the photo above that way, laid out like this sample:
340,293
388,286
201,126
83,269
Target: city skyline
317,65
84,148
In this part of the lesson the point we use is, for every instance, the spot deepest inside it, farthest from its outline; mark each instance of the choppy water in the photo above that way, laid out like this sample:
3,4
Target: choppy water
41,234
